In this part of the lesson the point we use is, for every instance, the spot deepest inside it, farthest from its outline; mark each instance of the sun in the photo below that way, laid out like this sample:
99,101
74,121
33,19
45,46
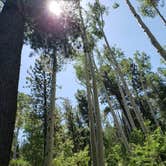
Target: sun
55,7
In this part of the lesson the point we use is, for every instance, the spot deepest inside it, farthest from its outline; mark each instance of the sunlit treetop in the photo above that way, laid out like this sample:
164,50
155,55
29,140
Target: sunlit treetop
52,20
55,7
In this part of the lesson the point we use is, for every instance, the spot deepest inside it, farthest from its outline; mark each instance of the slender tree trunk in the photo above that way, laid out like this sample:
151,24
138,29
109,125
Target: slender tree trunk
50,117
160,15
119,73
126,108
126,124
124,115
93,141
119,127
155,89
124,139
136,109
131,121
148,102
157,96
11,41
152,38
98,116
45,113
91,117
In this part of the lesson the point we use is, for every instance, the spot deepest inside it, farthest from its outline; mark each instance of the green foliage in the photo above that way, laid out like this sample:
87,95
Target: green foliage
137,137
147,7
72,135
79,68
115,156
113,147
76,130
67,158
82,105
148,151
19,162
32,148
38,81
23,105
147,11
151,153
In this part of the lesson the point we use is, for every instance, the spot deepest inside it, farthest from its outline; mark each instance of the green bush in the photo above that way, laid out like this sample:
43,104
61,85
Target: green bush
19,162
137,137
149,150
81,158
151,153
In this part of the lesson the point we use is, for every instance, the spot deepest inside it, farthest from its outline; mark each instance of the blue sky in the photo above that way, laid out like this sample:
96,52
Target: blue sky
123,31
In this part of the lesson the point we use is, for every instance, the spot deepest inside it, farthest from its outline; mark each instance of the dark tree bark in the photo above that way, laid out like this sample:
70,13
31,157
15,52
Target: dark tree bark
11,41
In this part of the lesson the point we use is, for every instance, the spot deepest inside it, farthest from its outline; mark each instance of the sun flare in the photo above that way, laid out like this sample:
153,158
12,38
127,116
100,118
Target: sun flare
55,7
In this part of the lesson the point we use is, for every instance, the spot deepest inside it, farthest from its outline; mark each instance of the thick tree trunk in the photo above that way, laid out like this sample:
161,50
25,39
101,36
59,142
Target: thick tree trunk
50,118
152,38
11,41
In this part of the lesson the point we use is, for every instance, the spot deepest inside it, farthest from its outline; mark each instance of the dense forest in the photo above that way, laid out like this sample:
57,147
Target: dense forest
118,117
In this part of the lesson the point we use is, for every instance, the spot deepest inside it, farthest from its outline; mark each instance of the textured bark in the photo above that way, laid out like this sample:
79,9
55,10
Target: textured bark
11,41
50,117
152,38
93,142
